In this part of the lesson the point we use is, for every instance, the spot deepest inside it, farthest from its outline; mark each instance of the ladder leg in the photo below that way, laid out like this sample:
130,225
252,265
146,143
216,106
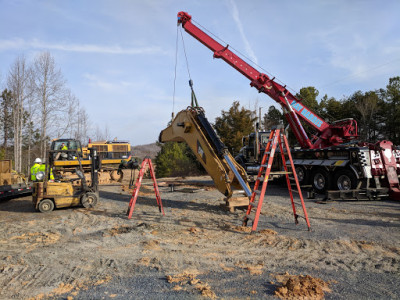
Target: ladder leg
260,171
287,178
132,203
266,177
135,193
156,190
297,183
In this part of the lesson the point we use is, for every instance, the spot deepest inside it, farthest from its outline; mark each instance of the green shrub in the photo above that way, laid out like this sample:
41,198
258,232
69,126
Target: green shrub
176,159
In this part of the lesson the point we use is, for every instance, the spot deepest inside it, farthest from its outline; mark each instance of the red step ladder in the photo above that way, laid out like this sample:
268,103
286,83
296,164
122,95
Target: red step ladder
276,137
132,202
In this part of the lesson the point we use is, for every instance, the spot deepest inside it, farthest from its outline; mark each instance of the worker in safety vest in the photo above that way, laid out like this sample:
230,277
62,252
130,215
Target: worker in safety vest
39,167
62,147
35,168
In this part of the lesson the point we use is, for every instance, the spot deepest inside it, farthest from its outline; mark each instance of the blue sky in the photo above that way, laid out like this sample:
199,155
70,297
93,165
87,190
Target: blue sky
119,56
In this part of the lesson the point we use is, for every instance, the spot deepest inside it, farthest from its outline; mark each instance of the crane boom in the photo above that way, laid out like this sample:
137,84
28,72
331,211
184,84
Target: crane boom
328,134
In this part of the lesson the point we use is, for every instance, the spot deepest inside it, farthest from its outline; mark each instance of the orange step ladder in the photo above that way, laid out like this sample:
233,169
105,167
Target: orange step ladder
132,202
276,137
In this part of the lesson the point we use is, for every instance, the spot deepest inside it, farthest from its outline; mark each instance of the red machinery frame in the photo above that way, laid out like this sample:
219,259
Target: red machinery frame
328,134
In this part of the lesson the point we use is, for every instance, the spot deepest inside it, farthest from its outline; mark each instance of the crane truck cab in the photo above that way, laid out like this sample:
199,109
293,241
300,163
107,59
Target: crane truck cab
252,151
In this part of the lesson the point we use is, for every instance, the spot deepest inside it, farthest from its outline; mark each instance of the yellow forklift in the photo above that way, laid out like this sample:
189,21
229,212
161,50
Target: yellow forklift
49,194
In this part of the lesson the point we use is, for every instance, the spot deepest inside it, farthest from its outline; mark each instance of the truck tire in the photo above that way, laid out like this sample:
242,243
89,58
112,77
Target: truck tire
46,205
302,175
344,179
241,161
89,200
321,180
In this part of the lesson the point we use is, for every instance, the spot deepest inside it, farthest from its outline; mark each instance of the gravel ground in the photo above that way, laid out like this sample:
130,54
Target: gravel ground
76,253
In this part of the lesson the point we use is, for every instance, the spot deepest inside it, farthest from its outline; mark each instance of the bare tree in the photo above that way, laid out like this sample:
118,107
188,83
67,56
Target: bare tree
50,92
18,83
31,115
99,134
67,115
83,125
6,118
367,105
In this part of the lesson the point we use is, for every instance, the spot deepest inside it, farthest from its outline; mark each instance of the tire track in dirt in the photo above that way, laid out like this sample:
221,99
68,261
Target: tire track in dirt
95,246
275,250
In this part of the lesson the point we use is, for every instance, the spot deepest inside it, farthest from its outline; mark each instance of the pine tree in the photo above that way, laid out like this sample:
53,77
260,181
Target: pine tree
233,125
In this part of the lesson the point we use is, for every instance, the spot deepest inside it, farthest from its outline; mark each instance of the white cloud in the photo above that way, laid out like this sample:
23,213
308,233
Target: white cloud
97,82
18,44
360,55
235,16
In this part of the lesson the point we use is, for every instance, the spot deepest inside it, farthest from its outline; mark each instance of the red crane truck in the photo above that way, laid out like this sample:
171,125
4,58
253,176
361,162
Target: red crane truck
332,160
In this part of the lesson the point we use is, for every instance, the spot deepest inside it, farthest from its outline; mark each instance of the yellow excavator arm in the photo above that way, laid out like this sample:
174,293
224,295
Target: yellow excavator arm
192,127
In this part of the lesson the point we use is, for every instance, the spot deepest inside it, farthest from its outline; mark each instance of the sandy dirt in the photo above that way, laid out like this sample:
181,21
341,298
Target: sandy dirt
199,250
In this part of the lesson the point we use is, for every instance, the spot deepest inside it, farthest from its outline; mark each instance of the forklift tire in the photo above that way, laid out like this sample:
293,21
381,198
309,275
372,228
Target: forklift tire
89,200
46,205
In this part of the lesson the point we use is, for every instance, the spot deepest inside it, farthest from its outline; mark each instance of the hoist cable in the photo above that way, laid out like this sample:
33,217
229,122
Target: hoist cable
176,63
194,102
184,51
243,55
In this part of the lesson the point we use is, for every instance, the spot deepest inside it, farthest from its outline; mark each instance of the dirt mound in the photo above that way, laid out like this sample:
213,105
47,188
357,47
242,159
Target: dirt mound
189,279
301,287
256,269
119,230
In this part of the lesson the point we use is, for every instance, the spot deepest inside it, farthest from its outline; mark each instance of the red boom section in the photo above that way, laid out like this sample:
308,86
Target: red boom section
329,135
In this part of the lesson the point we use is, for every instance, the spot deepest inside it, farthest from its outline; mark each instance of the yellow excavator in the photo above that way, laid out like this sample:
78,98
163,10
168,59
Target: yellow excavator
191,126
111,154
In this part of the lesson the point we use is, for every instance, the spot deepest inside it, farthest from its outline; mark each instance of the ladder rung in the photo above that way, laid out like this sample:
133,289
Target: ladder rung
260,178
280,173
258,192
250,217
253,204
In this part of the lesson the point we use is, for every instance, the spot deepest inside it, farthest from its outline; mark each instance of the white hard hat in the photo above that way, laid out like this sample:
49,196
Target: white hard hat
38,161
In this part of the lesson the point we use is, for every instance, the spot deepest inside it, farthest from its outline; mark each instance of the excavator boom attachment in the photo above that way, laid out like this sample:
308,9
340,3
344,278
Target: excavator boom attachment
191,126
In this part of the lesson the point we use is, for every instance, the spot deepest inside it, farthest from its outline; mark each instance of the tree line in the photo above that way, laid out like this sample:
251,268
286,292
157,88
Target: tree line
377,113
36,105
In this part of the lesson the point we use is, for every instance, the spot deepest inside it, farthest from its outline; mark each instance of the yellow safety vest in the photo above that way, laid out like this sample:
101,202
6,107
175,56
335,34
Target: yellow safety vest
40,168
64,148
34,169
43,169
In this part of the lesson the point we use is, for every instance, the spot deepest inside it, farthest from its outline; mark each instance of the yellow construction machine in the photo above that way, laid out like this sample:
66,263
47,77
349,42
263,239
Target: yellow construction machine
12,183
111,153
64,192
191,126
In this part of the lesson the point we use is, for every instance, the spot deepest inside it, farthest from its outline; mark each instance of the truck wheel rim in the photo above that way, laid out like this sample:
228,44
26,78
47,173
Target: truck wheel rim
300,174
344,182
319,181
